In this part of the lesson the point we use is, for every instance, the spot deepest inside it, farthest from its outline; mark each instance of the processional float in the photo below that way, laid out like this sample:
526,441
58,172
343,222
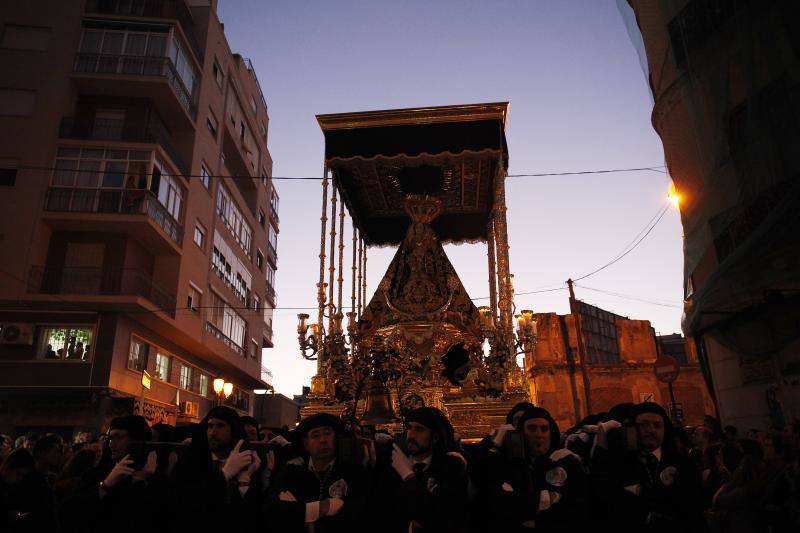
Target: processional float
415,179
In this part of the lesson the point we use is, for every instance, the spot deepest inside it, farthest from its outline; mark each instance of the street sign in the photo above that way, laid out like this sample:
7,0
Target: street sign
145,380
666,369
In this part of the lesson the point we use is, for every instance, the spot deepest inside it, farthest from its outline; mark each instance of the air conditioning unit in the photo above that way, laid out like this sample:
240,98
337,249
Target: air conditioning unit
16,334
190,408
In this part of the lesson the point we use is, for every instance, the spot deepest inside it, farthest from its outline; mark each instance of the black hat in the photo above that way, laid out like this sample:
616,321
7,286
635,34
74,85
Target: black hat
317,421
230,416
137,427
435,420
620,412
521,406
541,412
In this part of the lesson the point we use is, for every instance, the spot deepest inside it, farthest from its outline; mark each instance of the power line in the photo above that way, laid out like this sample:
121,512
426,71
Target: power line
309,178
625,252
631,297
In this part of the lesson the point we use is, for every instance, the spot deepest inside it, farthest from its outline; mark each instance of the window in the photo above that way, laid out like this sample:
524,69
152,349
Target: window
200,236
17,102
211,122
170,192
205,177
226,320
270,277
194,298
273,203
66,342
203,385
253,104
262,218
256,303
162,366
260,260
273,239
230,269
8,177
254,348
264,132
25,38
242,130
218,76
233,218
137,357
187,373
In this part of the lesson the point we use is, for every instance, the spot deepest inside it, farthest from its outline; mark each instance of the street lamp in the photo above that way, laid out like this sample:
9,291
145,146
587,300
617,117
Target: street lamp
222,389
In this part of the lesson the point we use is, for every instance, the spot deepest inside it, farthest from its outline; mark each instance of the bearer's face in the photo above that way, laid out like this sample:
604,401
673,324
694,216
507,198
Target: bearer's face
537,435
219,435
418,438
251,432
650,428
118,440
320,443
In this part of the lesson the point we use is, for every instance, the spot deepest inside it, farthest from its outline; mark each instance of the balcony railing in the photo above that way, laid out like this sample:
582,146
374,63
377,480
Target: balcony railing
122,130
165,9
119,201
214,330
274,214
269,292
137,66
268,331
243,295
272,254
99,281
266,375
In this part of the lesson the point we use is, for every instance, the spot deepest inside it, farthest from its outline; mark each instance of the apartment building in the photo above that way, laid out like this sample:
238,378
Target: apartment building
726,90
139,223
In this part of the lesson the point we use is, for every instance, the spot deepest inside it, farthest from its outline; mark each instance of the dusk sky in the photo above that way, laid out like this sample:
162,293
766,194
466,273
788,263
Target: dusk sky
579,101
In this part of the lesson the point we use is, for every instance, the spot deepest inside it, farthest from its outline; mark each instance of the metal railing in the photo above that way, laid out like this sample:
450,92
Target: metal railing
107,129
269,292
137,66
272,254
99,281
242,295
268,331
274,214
214,330
114,200
266,375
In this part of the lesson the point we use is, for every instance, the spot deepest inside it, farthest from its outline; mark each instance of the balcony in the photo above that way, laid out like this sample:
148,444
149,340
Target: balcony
123,130
266,375
272,255
93,71
269,292
227,341
162,9
274,214
95,281
242,293
136,203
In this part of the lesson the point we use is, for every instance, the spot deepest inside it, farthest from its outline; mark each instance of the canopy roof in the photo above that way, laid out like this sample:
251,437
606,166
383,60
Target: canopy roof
451,152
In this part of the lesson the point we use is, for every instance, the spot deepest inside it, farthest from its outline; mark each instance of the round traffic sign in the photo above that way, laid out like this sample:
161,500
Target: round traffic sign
666,369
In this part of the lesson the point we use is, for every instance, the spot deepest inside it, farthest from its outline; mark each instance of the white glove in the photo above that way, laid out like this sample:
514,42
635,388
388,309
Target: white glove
383,438
500,434
602,432
562,453
120,471
401,464
280,441
236,461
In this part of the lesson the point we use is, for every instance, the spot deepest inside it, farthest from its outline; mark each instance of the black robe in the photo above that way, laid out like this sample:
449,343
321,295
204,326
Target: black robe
516,488
347,482
435,500
669,501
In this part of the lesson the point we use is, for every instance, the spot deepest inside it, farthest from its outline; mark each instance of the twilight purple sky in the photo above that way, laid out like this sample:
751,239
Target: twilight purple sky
579,101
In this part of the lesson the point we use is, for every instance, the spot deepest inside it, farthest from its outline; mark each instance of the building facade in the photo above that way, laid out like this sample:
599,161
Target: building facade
139,222
724,78
614,364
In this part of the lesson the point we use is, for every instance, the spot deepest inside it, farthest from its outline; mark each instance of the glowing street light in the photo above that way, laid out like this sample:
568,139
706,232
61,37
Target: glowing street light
674,196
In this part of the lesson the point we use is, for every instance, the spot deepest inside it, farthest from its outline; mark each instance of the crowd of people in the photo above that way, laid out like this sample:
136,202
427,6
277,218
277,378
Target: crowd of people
628,469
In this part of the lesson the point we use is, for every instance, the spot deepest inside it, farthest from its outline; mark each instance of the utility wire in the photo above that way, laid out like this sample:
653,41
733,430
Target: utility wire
625,252
631,297
308,178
